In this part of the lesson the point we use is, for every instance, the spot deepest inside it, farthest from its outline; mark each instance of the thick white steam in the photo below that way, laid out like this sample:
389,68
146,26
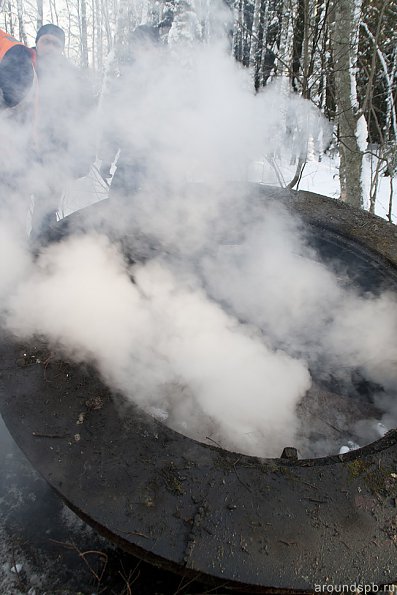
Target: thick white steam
156,332
221,324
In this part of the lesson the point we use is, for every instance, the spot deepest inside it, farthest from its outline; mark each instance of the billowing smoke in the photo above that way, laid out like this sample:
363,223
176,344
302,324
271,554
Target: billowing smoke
300,304
222,323
156,334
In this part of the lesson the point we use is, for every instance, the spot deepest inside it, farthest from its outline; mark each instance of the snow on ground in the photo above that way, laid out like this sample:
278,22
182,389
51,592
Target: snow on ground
320,175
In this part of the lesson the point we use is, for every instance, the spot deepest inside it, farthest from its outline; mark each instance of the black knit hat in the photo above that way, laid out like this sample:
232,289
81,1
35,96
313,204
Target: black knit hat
16,74
51,29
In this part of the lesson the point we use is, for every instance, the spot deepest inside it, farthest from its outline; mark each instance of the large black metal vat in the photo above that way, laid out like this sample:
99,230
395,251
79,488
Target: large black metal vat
243,522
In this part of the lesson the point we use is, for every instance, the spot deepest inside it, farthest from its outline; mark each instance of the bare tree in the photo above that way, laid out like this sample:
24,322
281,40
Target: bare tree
345,17
40,14
84,34
21,22
258,43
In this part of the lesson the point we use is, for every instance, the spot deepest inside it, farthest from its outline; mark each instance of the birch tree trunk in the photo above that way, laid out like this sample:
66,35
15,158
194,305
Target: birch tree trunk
285,52
344,41
11,22
84,34
54,12
122,27
258,43
99,35
21,26
104,15
39,14
237,32
93,37
69,29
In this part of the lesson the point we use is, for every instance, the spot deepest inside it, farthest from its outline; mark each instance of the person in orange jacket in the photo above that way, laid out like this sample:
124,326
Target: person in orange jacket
16,71
18,101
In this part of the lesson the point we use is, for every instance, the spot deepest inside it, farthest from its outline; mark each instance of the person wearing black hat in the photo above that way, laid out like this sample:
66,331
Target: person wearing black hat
18,88
64,147
50,39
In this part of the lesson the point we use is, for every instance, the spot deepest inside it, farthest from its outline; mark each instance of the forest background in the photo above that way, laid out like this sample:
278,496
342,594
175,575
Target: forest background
341,55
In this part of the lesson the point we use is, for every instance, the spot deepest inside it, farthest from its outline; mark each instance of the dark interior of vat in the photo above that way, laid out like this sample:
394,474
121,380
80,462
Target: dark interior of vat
335,405
335,413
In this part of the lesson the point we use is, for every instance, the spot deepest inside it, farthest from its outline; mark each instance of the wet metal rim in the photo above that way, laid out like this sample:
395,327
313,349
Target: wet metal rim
259,524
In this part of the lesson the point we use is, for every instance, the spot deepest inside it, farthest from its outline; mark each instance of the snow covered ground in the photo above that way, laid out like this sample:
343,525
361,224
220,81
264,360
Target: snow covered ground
319,175
322,177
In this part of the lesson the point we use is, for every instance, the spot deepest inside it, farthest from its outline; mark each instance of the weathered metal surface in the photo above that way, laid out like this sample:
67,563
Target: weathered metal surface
263,524
359,225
